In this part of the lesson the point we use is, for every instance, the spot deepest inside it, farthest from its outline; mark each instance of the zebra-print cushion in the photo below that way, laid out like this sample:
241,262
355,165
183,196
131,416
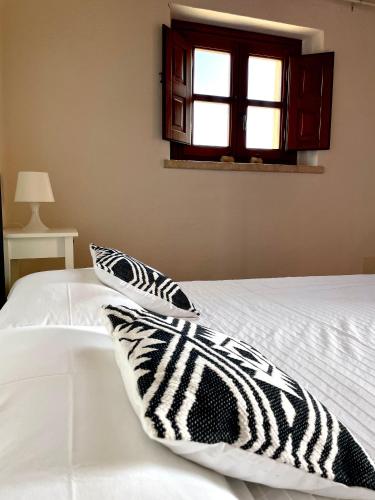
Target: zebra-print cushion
220,402
143,284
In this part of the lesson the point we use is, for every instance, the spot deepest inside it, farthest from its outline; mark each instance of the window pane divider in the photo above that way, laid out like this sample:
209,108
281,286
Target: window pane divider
212,98
264,104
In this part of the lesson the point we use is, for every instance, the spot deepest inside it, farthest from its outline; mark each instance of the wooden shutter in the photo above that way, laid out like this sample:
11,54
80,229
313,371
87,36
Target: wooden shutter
310,101
177,88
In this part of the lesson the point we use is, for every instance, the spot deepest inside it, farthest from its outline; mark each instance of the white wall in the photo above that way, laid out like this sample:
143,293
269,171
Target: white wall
83,101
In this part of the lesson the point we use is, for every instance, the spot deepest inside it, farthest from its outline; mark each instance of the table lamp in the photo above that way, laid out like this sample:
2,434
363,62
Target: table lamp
34,188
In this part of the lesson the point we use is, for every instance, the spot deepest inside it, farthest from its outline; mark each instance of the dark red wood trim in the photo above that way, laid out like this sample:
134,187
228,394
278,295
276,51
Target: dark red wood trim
212,98
177,87
240,44
310,101
264,104
235,34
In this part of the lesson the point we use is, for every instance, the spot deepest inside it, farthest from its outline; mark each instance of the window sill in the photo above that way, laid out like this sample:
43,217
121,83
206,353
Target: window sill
244,167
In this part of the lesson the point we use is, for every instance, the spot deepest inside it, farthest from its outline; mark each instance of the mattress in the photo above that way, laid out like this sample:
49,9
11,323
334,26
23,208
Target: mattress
321,330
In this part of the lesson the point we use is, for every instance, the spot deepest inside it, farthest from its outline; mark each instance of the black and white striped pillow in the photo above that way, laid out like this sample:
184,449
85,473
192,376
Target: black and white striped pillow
220,402
146,286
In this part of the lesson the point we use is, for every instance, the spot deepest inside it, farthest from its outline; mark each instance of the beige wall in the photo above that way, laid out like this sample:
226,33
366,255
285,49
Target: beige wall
83,101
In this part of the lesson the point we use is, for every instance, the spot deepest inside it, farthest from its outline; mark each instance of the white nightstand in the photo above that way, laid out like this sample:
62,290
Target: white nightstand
19,244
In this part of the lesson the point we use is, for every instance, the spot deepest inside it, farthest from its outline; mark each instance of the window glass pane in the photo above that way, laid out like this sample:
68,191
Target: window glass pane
211,124
264,79
262,128
211,72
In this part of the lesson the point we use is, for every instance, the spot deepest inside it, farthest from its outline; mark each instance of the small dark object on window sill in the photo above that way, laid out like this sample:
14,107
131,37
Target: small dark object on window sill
255,159
228,159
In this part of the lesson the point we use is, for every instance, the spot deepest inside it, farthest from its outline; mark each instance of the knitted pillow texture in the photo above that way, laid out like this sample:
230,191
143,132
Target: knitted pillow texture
220,402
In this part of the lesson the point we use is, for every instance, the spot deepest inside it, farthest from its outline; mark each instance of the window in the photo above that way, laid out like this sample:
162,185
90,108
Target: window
235,93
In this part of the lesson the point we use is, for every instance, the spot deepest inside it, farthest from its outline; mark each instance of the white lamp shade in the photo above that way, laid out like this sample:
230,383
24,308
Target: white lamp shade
33,187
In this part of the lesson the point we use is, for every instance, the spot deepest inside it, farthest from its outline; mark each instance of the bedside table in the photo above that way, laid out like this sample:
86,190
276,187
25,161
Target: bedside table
19,244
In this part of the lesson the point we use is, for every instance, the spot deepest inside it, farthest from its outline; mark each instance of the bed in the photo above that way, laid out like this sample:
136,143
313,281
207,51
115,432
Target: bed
62,395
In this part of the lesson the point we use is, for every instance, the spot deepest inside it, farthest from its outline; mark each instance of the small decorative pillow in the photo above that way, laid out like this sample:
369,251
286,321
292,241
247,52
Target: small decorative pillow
219,402
142,284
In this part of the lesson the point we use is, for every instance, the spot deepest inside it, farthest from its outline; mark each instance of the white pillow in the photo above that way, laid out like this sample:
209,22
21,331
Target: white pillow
145,285
219,402
68,297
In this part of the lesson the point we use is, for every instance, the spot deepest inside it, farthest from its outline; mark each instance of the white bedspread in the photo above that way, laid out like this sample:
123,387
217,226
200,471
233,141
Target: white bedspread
62,396
67,431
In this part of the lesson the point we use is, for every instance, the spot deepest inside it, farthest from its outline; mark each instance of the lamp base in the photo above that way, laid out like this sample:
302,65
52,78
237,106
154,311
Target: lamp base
35,224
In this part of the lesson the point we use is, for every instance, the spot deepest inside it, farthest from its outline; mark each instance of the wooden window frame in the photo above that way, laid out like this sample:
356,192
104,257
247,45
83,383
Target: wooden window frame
241,44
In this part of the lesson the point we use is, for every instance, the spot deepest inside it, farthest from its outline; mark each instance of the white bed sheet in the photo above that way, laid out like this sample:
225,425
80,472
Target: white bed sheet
67,431
69,297
321,330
